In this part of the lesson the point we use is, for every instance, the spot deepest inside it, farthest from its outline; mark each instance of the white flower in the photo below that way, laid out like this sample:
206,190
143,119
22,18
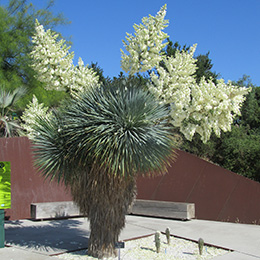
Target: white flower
195,108
144,47
54,64
30,115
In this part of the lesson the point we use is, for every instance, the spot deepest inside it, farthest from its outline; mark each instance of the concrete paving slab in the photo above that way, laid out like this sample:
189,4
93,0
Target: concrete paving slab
58,236
236,256
12,253
48,237
242,238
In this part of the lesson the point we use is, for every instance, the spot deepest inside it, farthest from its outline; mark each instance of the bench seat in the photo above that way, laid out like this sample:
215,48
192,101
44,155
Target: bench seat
165,209
153,208
60,209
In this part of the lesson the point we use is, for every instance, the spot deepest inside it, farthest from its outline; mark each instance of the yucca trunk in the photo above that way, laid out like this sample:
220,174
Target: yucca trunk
105,200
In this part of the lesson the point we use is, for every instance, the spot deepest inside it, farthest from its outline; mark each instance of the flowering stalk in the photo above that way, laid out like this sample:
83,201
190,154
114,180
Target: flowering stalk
145,46
30,115
54,64
195,108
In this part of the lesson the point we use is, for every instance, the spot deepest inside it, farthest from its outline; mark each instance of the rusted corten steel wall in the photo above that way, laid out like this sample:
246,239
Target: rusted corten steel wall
218,194
27,186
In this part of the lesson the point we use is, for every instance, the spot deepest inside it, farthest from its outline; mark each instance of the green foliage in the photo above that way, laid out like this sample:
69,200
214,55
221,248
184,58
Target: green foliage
204,66
250,112
50,98
100,73
8,124
205,151
138,80
239,152
171,48
5,185
17,21
119,128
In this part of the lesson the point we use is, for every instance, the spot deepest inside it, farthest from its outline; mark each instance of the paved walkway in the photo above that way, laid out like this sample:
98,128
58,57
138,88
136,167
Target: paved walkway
29,240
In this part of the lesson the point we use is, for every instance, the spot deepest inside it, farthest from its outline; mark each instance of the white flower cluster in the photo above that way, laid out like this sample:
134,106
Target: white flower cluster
195,108
83,78
30,115
212,108
54,63
52,59
173,83
144,48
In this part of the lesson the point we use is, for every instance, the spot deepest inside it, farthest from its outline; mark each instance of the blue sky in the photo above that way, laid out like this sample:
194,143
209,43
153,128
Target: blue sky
228,29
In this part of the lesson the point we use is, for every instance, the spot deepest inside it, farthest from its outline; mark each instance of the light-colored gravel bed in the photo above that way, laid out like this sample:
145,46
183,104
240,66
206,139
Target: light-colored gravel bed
144,248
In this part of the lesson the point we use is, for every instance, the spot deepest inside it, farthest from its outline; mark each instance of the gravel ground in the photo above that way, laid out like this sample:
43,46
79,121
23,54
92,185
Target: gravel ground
144,248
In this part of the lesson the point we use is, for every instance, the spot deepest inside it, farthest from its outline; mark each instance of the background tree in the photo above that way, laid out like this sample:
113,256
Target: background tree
250,112
100,73
9,122
172,48
204,68
17,25
239,149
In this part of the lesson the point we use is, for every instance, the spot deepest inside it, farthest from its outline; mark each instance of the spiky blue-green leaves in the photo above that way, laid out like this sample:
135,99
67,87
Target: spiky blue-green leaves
50,150
120,129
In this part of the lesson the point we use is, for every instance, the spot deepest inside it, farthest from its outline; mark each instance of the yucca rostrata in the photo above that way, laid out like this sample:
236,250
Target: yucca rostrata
97,144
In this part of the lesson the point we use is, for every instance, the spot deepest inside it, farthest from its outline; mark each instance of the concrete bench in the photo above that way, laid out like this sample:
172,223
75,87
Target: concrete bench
47,210
165,209
154,208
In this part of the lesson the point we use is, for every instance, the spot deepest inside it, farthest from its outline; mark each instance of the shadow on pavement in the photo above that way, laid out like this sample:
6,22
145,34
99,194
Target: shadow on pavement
48,237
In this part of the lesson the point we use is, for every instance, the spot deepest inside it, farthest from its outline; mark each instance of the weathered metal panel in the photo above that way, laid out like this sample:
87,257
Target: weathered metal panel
27,185
218,194
243,205
211,190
